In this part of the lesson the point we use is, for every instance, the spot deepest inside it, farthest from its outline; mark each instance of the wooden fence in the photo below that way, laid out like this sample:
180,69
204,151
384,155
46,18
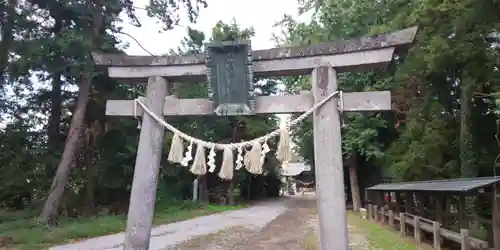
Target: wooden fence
419,225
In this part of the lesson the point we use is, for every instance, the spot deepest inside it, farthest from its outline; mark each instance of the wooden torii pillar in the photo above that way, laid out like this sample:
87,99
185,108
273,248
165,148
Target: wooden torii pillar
321,61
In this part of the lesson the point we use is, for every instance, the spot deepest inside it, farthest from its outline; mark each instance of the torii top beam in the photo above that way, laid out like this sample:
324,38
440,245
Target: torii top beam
347,55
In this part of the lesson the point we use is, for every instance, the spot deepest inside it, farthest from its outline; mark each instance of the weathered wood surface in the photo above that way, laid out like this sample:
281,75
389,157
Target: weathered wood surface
355,101
147,165
370,212
328,161
396,39
391,218
436,237
364,53
464,239
363,60
427,226
402,226
416,229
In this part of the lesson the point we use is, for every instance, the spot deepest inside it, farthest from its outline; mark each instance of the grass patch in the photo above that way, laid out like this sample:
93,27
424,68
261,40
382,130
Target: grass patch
310,240
28,234
380,237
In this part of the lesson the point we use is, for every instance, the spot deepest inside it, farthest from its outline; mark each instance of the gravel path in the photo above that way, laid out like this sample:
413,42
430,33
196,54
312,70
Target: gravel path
285,232
170,235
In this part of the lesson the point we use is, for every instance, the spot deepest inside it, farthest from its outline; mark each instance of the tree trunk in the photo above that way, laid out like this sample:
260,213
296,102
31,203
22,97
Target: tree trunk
353,179
50,209
203,189
9,16
55,112
90,174
53,202
230,193
55,97
467,154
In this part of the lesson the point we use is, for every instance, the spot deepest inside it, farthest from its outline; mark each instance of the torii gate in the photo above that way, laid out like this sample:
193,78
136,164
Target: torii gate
323,61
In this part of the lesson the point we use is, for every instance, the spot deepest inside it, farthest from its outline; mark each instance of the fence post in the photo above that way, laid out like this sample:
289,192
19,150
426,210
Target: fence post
363,213
402,223
437,235
382,214
391,219
416,229
464,239
370,212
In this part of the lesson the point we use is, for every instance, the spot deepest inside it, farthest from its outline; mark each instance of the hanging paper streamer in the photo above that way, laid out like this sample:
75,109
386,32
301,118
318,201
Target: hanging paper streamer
211,160
226,169
239,159
199,166
265,150
176,150
188,155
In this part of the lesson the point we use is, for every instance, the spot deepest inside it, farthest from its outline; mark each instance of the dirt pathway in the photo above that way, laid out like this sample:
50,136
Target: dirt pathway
285,232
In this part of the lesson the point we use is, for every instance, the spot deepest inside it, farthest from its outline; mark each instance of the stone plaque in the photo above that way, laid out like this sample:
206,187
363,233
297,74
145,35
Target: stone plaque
230,77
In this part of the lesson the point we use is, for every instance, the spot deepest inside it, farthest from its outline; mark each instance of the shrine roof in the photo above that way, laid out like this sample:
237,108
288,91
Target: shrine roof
451,185
400,39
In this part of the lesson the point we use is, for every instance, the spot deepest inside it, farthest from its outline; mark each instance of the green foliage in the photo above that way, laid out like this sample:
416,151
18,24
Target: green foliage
448,78
423,151
378,236
336,20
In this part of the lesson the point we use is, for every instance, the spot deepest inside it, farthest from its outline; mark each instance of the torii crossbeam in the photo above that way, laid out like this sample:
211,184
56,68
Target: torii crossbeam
321,61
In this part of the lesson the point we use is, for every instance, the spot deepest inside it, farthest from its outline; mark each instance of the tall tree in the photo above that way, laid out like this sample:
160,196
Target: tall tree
102,15
341,20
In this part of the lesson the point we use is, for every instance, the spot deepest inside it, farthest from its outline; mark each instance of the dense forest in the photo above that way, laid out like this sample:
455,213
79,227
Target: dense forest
60,154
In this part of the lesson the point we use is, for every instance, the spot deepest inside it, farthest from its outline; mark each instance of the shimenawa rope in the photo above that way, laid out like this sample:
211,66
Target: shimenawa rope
253,160
221,146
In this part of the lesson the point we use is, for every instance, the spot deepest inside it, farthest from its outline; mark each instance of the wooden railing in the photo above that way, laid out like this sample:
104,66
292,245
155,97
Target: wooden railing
420,224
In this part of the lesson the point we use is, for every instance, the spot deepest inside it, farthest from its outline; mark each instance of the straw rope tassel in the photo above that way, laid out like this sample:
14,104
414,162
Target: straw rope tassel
199,166
227,168
176,149
252,161
284,151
